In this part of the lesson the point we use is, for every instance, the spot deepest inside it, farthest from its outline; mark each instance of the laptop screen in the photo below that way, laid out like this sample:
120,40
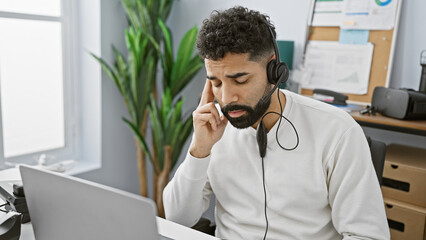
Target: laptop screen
65,207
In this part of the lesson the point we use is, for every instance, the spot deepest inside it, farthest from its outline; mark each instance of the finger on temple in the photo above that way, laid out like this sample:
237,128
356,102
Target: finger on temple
207,95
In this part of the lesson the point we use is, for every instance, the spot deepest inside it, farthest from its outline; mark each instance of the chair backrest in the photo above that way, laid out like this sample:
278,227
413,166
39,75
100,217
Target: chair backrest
378,154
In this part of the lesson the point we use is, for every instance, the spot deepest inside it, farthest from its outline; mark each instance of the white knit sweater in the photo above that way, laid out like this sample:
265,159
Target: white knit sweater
324,189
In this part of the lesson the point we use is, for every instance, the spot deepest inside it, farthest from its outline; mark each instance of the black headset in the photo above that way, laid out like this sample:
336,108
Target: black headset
277,73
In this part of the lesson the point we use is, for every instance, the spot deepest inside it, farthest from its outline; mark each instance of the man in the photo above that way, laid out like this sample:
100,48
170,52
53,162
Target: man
325,188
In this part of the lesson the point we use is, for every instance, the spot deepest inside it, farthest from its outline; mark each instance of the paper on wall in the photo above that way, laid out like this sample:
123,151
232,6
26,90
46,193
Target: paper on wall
352,36
339,67
369,14
328,13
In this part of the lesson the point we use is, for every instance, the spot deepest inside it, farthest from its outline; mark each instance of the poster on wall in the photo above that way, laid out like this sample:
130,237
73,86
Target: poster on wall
338,67
355,14
369,14
327,13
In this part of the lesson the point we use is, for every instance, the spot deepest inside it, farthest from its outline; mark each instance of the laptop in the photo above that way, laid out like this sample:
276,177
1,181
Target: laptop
65,207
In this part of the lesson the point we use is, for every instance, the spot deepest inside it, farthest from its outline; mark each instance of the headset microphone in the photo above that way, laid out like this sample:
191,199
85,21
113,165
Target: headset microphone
277,73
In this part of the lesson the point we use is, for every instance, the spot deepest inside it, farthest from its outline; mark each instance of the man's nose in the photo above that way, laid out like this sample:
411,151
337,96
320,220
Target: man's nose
229,94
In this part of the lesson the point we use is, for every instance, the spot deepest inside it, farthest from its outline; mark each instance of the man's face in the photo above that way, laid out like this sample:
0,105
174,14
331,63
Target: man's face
240,87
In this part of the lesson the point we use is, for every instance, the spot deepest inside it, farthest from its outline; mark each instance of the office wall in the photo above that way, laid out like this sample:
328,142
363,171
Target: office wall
410,42
119,167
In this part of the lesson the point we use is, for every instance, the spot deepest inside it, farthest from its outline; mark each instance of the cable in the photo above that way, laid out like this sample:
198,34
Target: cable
279,124
264,192
3,205
287,149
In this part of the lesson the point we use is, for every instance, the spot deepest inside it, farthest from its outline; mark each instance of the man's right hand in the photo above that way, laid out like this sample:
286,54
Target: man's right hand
208,124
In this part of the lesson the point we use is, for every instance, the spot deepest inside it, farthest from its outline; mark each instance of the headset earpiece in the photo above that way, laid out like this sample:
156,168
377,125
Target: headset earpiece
271,72
282,72
276,72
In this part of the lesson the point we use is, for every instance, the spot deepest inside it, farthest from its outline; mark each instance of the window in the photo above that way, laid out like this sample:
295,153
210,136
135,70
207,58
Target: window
38,81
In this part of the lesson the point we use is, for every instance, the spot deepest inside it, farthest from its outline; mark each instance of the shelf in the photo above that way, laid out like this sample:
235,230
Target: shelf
417,127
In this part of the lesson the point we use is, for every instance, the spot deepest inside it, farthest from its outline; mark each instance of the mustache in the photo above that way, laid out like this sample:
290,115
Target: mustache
236,107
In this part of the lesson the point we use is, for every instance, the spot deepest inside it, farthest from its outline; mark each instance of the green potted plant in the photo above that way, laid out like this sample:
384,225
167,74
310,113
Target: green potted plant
148,42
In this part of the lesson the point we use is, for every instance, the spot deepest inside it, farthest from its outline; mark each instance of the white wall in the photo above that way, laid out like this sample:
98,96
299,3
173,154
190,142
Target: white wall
410,42
119,166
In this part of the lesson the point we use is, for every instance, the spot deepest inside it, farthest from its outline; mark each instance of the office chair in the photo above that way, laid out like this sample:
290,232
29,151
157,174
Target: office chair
378,153
205,225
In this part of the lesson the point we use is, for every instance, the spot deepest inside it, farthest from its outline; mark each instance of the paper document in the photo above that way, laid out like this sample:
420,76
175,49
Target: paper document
369,14
351,36
338,67
328,13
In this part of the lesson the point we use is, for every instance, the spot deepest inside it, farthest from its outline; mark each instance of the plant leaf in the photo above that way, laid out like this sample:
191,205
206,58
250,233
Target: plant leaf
157,131
185,51
183,136
130,12
128,94
168,51
108,70
189,72
140,138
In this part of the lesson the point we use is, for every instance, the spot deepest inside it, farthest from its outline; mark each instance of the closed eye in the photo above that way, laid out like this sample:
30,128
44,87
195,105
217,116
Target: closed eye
241,82
217,83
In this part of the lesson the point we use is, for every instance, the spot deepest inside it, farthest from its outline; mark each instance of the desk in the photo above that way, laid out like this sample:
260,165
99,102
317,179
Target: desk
166,228
417,127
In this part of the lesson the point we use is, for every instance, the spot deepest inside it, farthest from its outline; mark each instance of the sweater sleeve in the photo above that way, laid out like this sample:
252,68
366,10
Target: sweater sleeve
187,196
354,191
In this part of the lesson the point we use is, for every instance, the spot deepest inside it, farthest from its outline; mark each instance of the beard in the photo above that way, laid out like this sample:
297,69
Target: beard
253,114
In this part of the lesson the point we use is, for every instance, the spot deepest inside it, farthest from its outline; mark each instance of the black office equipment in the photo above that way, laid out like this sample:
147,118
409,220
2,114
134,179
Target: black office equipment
15,202
399,103
18,190
11,228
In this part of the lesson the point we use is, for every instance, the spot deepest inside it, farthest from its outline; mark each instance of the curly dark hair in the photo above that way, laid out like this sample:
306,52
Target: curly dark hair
236,30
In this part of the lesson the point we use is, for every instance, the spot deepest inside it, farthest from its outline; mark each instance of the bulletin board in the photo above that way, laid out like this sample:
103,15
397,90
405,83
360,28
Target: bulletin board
381,65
